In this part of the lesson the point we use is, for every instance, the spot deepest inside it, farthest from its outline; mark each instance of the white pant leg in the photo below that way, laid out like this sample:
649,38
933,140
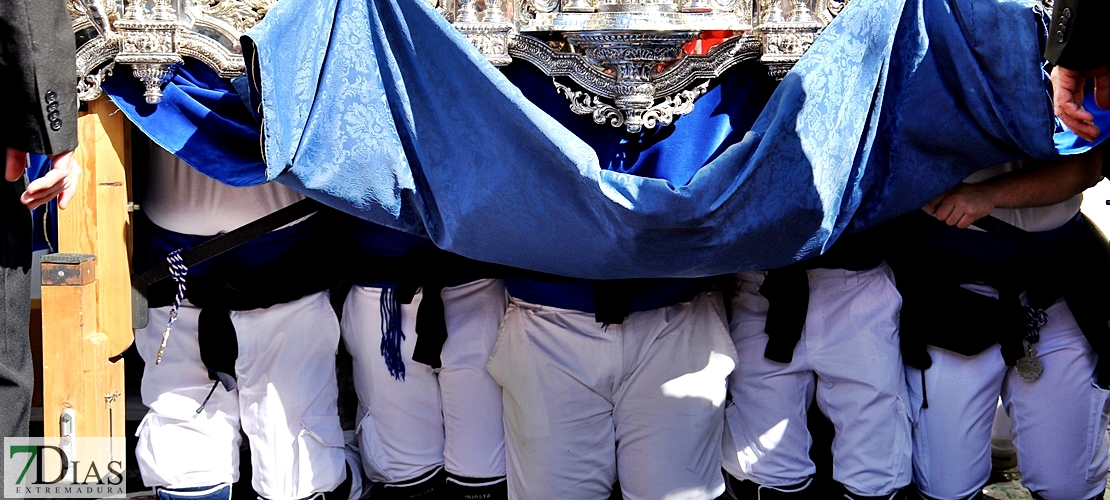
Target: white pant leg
767,440
851,340
400,427
951,438
475,432
1060,419
287,396
556,368
670,406
178,447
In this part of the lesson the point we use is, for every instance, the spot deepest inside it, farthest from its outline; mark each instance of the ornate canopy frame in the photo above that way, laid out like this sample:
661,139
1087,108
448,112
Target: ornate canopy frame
628,63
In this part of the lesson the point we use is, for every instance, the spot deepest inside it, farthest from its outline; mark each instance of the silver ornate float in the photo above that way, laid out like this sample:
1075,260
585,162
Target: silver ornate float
629,63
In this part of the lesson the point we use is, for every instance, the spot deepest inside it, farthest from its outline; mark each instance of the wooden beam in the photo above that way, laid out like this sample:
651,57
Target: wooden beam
97,221
76,371
87,320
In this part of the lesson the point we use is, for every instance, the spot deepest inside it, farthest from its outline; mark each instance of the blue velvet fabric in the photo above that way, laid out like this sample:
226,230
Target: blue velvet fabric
674,153
201,119
380,108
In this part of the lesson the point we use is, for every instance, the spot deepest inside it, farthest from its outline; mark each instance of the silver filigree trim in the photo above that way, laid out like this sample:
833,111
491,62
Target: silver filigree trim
88,86
775,32
673,79
661,113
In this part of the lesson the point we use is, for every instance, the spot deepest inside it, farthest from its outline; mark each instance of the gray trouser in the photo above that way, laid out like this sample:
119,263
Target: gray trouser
17,376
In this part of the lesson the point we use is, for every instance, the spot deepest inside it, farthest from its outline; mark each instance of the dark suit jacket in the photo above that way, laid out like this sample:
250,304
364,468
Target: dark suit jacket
1079,35
38,77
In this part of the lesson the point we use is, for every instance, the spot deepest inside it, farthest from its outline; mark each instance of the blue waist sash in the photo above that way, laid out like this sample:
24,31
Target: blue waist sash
277,267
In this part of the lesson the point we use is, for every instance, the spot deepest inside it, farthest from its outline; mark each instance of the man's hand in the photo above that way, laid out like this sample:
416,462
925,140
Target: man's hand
60,181
1067,98
962,205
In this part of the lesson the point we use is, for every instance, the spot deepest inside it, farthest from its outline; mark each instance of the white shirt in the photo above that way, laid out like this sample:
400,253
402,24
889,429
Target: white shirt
183,200
1034,219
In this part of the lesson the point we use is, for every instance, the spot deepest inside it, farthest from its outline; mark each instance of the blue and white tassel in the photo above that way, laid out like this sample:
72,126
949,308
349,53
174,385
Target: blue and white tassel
178,270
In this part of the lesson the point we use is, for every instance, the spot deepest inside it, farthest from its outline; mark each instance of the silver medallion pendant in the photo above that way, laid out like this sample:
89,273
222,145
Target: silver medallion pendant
1029,368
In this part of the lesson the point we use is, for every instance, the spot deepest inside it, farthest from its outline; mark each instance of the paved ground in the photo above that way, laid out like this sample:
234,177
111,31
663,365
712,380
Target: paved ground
1008,489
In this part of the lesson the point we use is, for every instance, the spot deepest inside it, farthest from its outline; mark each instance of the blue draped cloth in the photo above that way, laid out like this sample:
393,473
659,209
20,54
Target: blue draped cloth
381,109
201,119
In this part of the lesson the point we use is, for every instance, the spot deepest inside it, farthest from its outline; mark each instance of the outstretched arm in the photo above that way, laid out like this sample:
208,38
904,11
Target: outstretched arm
1040,183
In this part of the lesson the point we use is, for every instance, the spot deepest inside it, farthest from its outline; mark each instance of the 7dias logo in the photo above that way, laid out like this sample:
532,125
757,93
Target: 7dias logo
64,468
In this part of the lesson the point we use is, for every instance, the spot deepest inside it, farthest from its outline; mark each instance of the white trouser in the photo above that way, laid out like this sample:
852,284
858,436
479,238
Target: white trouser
850,342
642,401
285,402
1059,420
450,416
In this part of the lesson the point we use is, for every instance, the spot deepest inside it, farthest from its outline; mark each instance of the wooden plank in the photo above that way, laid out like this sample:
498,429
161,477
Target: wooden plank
76,371
86,326
113,235
103,226
70,318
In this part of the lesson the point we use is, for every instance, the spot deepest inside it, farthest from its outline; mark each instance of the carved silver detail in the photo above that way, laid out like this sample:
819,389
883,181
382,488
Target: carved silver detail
633,59
233,17
491,41
661,113
582,103
88,87
96,14
560,37
786,35
672,81
152,36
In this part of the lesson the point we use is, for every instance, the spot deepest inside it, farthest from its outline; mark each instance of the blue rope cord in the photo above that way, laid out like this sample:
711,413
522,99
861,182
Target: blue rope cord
178,270
392,335
1034,320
